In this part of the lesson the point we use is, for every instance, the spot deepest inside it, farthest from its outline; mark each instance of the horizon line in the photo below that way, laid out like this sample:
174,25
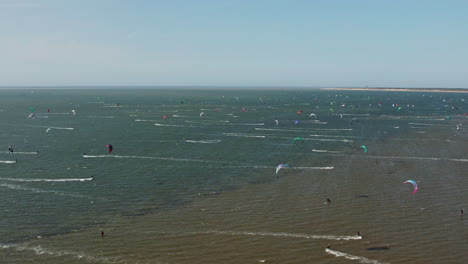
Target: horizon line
222,86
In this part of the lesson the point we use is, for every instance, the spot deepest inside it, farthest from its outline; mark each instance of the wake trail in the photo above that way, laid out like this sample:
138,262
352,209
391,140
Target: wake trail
326,151
243,135
8,161
269,167
204,161
427,124
155,158
168,125
279,234
19,152
35,190
404,158
64,128
299,129
210,141
38,250
46,180
314,168
352,257
319,139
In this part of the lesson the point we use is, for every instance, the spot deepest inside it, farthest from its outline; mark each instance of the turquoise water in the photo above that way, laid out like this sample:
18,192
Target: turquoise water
166,177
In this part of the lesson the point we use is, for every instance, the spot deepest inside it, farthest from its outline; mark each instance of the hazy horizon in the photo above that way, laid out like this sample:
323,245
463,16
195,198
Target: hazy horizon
214,87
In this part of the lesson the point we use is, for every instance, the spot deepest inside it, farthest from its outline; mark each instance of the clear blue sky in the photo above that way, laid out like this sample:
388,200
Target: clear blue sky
327,43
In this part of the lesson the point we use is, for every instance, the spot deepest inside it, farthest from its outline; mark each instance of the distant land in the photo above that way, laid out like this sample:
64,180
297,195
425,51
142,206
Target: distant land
432,90
243,88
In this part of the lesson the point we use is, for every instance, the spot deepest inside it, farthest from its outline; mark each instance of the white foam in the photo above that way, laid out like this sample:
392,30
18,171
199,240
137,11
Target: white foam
8,161
279,234
211,141
38,250
352,257
47,180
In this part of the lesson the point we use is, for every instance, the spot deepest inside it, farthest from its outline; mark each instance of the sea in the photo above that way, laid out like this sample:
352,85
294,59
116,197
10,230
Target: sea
194,176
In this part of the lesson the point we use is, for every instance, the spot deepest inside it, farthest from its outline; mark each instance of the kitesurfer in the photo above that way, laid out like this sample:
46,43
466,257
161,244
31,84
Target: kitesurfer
10,149
102,233
461,212
109,148
328,201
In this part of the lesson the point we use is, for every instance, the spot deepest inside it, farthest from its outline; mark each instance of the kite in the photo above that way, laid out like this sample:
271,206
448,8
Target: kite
282,165
297,139
415,185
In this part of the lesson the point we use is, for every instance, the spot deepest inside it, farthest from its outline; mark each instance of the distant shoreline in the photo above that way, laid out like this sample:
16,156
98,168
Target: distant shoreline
400,90
235,88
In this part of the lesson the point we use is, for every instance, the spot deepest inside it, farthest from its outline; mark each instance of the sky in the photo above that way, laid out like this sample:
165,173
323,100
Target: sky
290,43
